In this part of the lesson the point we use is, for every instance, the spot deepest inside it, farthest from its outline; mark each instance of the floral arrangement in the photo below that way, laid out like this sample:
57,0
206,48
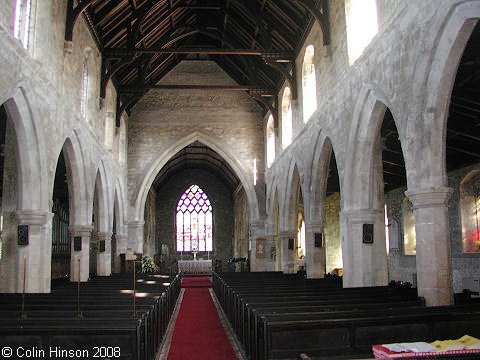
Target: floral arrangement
148,265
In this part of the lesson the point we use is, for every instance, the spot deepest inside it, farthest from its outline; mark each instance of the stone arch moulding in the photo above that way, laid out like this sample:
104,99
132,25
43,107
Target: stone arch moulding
152,169
120,209
77,188
29,142
105,197
272,196
358,175
294,178
433,82
323,152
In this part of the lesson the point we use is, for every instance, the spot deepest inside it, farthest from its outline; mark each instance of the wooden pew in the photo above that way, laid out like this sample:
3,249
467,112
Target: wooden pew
107,314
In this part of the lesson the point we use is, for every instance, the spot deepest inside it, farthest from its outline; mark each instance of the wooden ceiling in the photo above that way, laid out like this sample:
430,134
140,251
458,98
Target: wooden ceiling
254,41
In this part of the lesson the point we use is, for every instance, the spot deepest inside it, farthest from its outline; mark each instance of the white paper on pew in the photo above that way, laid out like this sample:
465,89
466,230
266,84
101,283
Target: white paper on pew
410,347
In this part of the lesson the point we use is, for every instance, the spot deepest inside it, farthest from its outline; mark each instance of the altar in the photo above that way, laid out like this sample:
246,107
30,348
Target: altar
195,266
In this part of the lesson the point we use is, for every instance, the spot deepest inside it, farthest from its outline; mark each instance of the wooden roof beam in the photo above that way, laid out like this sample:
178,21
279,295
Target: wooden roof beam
274,55
320,13
73,12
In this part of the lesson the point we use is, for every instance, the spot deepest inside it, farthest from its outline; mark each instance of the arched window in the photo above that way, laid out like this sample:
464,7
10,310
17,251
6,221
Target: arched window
84,84
287,131
84,90
470,211
409,236
362,26
309,84
194,221
270,141
21,22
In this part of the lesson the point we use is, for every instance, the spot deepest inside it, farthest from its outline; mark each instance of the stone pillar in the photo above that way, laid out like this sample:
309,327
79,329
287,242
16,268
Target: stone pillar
135,236
269,260
288,253
257,230
80,252
104,254
315,256
364,262
434,272
119,247
26,254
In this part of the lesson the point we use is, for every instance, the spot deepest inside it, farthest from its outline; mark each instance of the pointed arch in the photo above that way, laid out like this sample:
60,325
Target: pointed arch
76,178
294,184
31,158
433,82
104,198
146,179
360,181
318,181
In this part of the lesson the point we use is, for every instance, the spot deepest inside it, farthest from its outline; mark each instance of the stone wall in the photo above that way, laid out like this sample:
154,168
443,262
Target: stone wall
40,87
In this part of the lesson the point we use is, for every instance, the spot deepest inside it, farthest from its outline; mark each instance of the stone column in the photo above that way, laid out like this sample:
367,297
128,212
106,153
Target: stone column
135,236
104,254
80,252
288,254
257,230
434,272
27,254
269,261
120,247
364,263
315,256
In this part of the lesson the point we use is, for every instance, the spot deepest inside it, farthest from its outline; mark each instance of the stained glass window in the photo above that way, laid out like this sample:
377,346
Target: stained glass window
194,221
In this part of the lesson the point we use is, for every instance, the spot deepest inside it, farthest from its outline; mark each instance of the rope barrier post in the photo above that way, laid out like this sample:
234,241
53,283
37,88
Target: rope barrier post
23,315
79,313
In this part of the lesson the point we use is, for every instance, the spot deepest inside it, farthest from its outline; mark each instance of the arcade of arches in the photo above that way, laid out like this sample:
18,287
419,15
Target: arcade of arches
366,167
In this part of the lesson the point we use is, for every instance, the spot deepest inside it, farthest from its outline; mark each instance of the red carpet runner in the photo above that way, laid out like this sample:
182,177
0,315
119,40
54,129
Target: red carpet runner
198,333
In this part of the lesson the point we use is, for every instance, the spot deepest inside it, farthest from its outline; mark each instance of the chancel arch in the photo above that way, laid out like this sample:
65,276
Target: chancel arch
158,162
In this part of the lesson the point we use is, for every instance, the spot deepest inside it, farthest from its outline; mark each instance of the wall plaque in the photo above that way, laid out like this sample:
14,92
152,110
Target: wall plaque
368,233
318,240
260,248
22,235
77,243
101,246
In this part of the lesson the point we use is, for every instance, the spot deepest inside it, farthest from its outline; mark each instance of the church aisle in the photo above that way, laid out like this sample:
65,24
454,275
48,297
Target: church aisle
198,332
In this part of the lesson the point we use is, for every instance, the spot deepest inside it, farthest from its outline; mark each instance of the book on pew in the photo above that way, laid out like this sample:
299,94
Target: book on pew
417,350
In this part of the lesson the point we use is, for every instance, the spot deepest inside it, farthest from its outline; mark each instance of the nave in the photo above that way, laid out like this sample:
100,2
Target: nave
198,328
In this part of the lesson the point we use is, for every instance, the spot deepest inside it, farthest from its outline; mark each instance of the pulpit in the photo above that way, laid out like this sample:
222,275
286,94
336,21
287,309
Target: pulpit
195,266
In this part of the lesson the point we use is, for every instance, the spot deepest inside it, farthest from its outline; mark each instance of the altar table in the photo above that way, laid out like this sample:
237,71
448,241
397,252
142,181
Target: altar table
195,266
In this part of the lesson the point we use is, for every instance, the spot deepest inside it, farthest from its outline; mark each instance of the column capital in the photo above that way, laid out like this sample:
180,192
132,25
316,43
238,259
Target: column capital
33,217
285,234
359,216
136,223
257,224
104,235
429,197
80,230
